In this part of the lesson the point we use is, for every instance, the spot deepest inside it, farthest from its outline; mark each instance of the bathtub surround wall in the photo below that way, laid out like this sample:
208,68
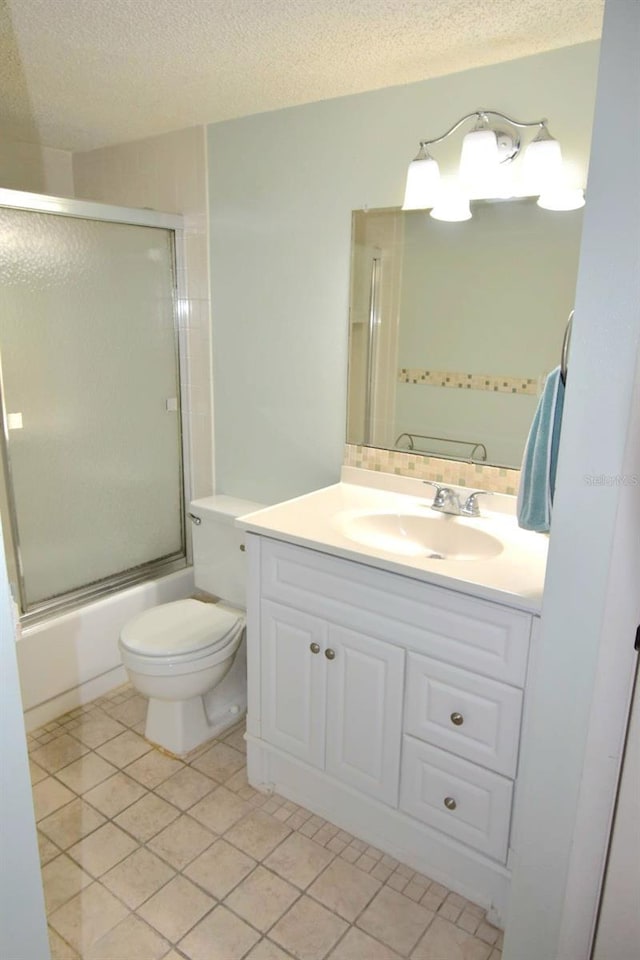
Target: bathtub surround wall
36,169
168,173
282,189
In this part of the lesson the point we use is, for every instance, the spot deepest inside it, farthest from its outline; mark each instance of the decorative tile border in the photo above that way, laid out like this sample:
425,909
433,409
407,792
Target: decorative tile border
468,381
456,472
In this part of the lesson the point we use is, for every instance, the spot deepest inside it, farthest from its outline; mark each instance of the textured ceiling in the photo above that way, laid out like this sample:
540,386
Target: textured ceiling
78,74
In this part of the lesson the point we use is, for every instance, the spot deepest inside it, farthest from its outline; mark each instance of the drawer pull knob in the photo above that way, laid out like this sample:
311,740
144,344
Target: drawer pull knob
457,719
450,803
315,648
330,654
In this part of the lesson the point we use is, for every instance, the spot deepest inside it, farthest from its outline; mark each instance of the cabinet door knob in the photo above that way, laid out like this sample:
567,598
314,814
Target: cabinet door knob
457,719
450,803
315,648
330,654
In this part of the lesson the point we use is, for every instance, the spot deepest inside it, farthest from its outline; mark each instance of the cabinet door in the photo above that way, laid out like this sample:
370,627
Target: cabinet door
293,681
364,712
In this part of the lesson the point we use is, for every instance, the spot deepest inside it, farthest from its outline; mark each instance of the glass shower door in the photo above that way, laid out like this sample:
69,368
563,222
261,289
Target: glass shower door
88,348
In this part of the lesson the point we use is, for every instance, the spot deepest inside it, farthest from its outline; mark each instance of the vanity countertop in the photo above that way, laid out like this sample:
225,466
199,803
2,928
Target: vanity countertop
321,521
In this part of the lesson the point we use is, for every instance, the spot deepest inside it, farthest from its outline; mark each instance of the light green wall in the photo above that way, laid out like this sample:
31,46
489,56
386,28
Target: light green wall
282,187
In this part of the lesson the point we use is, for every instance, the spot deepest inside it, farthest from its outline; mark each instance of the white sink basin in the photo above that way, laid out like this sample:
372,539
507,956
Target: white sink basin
433,536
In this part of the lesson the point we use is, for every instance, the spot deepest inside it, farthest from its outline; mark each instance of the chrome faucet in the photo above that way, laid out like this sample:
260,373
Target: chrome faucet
448,501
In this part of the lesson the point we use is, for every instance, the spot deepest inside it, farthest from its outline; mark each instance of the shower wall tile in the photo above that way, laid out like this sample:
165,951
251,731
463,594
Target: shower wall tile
168,173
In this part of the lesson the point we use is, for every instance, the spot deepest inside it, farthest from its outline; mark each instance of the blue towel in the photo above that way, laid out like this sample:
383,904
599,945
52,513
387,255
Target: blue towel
538,474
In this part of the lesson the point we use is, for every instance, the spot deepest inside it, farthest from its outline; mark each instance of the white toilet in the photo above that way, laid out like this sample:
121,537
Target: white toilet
188,656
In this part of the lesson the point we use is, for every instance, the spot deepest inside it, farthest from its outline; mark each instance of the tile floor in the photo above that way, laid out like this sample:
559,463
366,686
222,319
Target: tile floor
147,857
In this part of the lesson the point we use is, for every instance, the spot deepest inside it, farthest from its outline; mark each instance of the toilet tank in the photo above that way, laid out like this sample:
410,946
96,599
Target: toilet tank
219,565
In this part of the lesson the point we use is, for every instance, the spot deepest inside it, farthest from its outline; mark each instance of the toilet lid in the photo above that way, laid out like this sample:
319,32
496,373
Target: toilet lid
183,626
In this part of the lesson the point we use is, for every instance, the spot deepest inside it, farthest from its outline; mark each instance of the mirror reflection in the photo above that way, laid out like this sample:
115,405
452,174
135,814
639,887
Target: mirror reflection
454,326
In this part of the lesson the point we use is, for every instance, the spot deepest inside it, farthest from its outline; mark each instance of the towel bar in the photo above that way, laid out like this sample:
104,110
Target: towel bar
564,356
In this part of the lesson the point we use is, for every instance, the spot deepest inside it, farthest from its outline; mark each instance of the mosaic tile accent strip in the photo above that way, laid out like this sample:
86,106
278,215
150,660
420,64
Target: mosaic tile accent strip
469,381
456,472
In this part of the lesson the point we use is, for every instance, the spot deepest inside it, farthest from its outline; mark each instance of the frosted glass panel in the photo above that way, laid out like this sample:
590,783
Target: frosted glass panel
90,381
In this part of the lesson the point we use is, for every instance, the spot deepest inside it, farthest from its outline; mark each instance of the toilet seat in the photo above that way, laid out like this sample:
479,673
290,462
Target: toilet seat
183,630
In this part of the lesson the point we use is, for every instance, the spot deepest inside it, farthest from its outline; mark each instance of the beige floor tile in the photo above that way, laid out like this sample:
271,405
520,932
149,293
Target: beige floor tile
36,772
257,834
220,936
220,868
185,788
72,822
176,908
138,877
95,729
46,849
59,753
220,810
102,849
153,768
344,889
220,762
357,945
236,739
147,816
266,950
488,933
239,781
62,879
443,939
59,949
131,939
469,921
124,749
307,930
87,917
114,795
129,712
262,898
85,773
182,841
396,920
49,795
299,860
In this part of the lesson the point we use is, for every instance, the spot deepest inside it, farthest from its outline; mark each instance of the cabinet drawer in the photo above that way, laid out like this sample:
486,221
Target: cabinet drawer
475,717
479,635
456,797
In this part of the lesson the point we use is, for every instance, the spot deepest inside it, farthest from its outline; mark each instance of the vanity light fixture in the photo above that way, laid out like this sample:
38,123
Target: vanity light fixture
485,170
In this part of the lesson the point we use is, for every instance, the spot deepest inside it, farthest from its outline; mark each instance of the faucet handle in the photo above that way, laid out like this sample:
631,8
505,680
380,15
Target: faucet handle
470,507
441,494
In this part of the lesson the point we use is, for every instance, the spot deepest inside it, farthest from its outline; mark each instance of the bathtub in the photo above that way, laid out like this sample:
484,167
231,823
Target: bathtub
73,657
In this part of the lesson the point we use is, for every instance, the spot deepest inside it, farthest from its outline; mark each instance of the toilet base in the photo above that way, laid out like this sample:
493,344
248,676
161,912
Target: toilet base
179,726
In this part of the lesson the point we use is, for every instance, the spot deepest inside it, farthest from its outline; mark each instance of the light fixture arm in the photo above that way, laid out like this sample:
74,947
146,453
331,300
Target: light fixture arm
480,115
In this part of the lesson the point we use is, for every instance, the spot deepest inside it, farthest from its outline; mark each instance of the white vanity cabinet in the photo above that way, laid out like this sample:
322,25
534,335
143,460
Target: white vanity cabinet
391,707
333,698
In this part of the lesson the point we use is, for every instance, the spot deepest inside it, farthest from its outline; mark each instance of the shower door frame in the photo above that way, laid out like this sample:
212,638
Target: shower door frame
90,210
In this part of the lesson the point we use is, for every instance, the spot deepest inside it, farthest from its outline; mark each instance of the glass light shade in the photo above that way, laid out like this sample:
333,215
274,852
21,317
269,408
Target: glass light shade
564,198
452,204
479,161
423,180
542,166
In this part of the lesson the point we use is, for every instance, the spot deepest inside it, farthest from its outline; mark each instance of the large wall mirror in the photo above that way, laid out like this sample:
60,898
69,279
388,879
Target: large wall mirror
454,326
